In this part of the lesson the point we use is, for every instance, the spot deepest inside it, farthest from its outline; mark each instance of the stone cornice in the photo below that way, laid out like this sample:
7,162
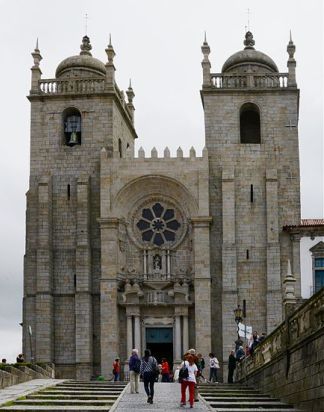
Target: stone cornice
201,221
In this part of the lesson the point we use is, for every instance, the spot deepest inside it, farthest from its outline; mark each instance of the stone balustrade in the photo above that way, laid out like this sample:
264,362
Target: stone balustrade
157,276
157,297
249,80
291,356
12,374
73,86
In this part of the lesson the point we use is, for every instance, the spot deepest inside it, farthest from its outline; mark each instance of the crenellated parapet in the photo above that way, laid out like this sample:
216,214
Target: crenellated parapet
166,155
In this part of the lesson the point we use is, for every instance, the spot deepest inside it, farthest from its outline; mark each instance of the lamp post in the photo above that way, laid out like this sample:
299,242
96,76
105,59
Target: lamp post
238,313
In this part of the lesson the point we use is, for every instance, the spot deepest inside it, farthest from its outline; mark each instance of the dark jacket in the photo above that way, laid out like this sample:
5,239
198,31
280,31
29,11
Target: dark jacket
231,362
132,361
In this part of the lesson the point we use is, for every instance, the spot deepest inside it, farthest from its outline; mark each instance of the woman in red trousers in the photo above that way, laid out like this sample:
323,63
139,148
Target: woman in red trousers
189,382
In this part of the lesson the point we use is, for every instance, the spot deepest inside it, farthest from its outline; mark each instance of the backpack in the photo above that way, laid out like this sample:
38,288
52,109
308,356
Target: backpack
137,366
183,372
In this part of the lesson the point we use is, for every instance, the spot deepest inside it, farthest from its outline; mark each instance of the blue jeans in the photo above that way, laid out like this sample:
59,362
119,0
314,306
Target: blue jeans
149,379
116,377
213,374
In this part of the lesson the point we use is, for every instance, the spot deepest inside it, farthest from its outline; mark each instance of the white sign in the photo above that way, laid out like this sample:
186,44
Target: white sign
245,331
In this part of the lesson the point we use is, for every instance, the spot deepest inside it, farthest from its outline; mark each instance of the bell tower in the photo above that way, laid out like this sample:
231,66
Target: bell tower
73,116
251,131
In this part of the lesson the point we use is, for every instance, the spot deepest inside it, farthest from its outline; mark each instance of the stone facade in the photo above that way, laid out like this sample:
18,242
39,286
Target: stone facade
120,249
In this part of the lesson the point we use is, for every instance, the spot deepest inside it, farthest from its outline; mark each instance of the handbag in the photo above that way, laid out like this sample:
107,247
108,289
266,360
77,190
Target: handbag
183,373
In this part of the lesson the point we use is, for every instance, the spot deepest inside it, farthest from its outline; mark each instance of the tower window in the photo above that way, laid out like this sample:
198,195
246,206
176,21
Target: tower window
251,194
250,124
68,192
72,127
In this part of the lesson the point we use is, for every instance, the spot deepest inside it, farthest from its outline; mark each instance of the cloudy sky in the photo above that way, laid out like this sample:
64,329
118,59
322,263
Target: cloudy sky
158,46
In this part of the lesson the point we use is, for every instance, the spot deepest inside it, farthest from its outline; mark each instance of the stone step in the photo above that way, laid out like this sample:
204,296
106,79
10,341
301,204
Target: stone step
61,402
77,396
243,405
263,398
38,408
74,388
234,392
85,392
256,409
231,395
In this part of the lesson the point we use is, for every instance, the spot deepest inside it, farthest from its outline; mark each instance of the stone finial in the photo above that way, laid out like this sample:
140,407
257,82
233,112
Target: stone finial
154,153
289,294
205,152
130,96
110,52
85,46
130,93
206,63
166,152
291,48
141,153
36,56
179,152
192,152
291,64
249,42
36,71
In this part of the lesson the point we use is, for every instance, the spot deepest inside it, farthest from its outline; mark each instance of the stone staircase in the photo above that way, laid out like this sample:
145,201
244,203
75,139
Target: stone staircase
70,396
240,398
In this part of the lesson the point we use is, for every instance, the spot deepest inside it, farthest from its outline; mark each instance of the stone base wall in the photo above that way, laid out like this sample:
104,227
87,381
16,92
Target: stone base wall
289,364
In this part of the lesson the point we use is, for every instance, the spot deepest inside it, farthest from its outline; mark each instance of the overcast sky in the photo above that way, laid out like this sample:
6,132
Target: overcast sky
157,44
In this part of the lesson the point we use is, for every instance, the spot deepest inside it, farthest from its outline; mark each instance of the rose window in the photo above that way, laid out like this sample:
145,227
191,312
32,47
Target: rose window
158,225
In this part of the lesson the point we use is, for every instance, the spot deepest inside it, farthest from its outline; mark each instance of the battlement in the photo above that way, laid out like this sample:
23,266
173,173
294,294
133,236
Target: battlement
155,155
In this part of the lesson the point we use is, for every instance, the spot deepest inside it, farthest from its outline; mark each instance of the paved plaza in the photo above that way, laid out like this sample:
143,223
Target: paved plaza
166,398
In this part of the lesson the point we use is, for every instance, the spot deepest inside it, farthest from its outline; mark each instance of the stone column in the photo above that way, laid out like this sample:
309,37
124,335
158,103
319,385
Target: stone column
44,275
137,331
185,333
129,335
295,246
177,343
108,294
274,293
202,283
83,299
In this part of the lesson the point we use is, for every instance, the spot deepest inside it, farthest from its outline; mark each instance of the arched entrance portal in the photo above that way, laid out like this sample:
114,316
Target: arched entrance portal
160,342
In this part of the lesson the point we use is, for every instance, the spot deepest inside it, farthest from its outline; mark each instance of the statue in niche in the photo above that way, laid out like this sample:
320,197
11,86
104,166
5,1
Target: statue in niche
157,262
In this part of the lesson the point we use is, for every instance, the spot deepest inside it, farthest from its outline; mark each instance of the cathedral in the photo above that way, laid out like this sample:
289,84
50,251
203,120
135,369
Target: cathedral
127,250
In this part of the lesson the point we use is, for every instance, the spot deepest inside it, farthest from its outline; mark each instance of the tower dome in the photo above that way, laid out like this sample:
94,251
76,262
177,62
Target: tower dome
83,64
249,58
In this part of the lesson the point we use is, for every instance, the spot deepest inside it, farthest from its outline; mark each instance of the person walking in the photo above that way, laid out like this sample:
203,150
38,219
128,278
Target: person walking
192,352
134,364
116,369
231,366
190,381
213,366
165,370
148,371
201,366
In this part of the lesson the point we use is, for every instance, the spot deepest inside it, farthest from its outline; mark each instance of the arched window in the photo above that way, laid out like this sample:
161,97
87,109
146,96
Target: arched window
120,148
72,126
250,130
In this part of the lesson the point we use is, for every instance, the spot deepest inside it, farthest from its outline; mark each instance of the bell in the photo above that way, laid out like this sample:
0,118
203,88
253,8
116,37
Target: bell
73,139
